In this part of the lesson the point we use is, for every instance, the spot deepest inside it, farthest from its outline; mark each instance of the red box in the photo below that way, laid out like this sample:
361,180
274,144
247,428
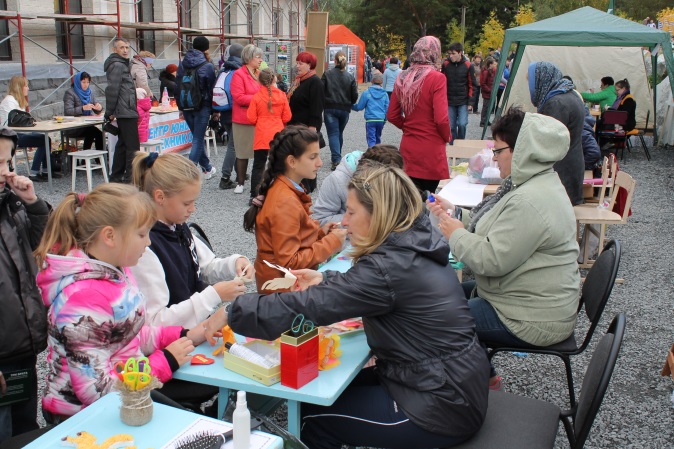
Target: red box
299,358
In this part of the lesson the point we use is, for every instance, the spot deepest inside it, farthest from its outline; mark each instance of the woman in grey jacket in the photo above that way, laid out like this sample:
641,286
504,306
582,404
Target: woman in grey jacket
429,387
80,100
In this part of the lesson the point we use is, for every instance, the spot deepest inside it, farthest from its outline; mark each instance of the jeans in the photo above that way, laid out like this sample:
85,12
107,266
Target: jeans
19,417
366,415
335,122
230,155
35,140
198,122
458,120
373,132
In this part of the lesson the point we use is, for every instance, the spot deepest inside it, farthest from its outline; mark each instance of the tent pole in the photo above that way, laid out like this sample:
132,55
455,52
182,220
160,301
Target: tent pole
654,66
494,89
514,65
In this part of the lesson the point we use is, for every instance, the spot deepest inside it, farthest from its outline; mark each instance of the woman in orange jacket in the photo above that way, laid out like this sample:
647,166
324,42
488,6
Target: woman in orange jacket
269,112
285,233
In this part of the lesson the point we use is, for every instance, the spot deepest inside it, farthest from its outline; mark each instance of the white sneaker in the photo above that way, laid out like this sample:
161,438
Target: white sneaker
209,174
238,188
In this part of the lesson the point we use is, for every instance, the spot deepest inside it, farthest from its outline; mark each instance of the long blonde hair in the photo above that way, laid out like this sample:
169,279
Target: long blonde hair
79,218
391,198
170,173
266,78
15,89
340,60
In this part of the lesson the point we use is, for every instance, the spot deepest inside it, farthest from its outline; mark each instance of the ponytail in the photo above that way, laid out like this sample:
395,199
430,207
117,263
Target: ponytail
170,173
340,60
292,141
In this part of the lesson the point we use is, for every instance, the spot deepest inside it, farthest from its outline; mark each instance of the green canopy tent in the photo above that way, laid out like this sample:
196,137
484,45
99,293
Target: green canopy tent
583,27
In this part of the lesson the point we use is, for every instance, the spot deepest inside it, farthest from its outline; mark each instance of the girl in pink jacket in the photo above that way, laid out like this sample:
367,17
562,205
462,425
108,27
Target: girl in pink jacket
143,104
96,315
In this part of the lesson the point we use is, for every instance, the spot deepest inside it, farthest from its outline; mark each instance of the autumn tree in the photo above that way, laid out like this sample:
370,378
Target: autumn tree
454,31
524,15
492,34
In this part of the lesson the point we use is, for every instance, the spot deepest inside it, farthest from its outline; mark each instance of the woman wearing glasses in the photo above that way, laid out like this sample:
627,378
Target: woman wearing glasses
520,242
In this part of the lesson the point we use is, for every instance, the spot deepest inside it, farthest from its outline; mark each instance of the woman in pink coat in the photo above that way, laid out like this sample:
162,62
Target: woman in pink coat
420,92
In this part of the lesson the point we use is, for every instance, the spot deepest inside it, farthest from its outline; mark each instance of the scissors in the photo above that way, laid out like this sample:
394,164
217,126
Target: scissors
135,373
301,327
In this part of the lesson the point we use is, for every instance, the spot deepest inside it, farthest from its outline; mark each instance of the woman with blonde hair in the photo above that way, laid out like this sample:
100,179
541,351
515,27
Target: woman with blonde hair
139,66
341,92
17,98
430,385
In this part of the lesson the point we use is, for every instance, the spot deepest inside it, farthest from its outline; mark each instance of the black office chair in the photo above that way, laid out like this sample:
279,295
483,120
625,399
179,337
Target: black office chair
519,422
595,293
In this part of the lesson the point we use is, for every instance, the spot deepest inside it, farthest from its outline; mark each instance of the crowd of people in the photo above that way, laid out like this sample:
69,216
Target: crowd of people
117,273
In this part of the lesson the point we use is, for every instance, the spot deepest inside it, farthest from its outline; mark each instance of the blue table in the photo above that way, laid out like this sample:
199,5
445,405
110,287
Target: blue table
101,419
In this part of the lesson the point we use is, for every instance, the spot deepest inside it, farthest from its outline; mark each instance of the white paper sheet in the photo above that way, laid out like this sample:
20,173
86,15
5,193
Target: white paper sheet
257,440
461,192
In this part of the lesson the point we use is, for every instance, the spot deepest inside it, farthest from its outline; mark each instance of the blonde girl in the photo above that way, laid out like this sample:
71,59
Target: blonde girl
17,98
96,313
269,111
181,278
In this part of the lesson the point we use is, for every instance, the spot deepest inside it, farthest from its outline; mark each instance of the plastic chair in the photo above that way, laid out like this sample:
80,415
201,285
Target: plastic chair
210,139
88,156
595,293
607,132
518,422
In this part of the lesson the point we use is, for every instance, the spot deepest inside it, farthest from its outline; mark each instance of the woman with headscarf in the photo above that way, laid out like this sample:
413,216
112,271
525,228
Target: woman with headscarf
554,96
419,107
520,243
80,100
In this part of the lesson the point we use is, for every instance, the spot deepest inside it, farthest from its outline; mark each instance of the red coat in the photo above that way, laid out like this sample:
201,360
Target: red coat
426,131
267,124
487,82
143,105
243,86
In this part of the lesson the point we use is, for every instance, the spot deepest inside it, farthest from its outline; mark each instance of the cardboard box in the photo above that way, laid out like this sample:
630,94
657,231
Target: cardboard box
266,376
299,358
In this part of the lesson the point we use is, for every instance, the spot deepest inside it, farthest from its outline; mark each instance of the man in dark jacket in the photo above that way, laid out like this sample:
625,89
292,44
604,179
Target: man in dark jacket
232,63
120,105
197,119
460,76
23,321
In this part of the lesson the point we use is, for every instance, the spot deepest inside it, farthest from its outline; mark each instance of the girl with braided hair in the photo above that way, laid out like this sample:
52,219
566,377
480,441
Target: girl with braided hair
280,215
269,111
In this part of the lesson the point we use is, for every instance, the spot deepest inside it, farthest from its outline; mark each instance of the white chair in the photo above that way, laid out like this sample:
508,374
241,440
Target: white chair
87,156
209,138
24,157
152,146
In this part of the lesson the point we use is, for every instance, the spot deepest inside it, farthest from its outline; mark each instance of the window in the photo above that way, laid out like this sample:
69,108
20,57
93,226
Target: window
227,6
186,13
5,47
293,24
276,22
66,31
146,37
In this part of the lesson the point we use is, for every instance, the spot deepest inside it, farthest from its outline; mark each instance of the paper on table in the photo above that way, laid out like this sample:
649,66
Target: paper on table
461,192
257,440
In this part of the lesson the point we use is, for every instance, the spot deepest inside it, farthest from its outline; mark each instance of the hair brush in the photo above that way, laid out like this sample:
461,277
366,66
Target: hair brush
203,440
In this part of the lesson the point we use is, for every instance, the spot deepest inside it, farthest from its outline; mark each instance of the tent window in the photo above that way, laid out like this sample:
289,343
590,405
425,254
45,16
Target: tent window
65,31
5,47
146,38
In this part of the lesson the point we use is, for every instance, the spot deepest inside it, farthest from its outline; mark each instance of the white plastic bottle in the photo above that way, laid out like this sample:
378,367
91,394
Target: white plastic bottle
241,422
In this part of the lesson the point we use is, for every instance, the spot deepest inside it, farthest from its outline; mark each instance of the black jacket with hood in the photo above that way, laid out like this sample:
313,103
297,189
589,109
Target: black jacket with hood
206,73
422,332
166,80
120,93
23,321
460,81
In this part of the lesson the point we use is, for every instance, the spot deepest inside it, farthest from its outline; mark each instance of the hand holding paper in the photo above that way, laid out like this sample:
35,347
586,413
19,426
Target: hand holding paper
278,283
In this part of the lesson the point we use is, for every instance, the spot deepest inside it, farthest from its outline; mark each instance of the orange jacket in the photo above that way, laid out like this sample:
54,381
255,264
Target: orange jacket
267,124
286,234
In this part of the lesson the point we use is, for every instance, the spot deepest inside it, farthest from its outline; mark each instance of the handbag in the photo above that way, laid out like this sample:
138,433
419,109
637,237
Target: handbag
20,119
108,127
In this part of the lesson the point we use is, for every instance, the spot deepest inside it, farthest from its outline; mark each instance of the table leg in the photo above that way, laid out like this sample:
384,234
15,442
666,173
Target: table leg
294,417
47,148
223,397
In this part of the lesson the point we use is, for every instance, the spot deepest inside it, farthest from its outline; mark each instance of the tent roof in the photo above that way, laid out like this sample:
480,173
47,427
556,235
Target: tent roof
341,34
587,27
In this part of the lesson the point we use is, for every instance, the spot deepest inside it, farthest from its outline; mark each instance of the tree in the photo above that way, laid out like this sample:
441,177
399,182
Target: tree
524,15
492,34
454,31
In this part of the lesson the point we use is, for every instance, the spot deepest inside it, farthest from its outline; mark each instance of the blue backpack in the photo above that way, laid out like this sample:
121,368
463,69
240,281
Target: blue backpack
222,95
189,89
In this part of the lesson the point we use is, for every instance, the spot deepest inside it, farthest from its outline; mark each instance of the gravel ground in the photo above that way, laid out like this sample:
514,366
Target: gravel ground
637,411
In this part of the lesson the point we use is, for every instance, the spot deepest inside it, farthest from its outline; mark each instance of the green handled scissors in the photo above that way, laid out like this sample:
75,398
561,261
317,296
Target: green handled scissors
137,373
300,326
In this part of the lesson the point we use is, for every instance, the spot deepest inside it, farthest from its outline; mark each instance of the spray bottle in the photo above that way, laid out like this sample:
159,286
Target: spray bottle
241,422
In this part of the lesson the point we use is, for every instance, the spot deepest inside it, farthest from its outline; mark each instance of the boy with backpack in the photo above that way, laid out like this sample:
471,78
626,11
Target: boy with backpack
194,91
375,101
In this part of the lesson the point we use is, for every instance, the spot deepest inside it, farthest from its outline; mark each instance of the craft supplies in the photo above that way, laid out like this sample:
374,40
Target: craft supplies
241,422
268,350
248,354
285,282
202,440
134,386
300,326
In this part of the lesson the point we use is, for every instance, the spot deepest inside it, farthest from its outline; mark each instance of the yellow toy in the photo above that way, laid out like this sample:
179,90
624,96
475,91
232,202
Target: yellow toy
328,351
227,337
85,440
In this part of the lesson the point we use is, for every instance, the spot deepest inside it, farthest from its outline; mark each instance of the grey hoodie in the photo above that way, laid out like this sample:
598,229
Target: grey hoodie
331,203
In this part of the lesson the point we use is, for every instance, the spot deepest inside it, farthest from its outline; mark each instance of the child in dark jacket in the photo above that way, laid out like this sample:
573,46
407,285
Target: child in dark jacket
23,321
375,101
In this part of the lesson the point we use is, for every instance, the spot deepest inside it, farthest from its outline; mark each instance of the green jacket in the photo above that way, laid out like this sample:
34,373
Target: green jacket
606,97
524,251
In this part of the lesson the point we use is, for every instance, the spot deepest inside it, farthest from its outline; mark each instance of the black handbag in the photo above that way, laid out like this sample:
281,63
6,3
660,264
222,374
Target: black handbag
108,127
20,119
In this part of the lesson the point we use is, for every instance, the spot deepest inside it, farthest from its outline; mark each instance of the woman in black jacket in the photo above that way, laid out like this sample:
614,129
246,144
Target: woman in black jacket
626,102
167,80
429,388
341,92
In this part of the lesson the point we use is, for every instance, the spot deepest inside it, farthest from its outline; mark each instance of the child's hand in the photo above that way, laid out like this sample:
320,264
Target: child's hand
22,187
229,290
180,350
214,324
244,269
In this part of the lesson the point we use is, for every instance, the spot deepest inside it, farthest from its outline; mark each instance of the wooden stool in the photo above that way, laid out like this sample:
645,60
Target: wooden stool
152,146
209,137
87,156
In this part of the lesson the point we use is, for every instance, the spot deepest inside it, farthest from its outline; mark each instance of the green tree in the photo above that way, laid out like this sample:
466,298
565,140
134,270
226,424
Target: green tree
492,34
454,32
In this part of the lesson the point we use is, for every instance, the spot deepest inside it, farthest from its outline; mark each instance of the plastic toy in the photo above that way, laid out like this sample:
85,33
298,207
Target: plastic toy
85,440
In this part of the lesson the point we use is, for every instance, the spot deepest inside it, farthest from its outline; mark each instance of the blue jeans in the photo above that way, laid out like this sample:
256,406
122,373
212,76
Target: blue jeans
373,133
198,122
488,326
20,417
230,155
35,140
335,122
458,120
